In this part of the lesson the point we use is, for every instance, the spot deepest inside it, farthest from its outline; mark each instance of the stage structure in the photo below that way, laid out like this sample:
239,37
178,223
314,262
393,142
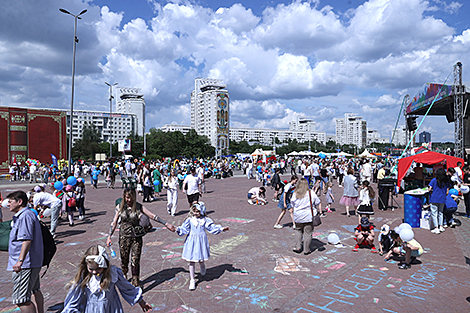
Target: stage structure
451,101
31,133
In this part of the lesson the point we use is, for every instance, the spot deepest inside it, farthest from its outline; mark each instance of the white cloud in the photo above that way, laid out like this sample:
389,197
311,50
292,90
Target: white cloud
294,59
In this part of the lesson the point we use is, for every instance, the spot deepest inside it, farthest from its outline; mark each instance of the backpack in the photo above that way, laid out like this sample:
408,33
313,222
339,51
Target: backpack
72,202
49,246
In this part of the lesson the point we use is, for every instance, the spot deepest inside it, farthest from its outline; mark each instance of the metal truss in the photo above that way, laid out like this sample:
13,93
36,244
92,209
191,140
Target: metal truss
458,90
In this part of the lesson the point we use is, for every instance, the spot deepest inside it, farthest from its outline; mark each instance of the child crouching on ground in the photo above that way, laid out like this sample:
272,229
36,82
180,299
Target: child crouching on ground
410,249
364,233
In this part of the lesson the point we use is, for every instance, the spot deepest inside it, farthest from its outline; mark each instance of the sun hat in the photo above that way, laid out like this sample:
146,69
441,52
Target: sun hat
385,229
365,222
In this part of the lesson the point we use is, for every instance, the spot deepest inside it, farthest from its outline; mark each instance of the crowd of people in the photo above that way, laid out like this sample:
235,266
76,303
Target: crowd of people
307,196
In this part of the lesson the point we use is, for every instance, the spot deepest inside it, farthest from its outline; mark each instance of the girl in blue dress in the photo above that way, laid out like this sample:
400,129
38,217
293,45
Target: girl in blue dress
94,288
196,246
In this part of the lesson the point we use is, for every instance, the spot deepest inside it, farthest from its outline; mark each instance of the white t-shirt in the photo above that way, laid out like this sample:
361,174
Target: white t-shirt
46,199
302,211
367,169
315,169
200,173
193,184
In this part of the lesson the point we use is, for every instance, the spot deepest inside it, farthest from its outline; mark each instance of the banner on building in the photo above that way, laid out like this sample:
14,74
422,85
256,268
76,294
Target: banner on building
124,145
222,123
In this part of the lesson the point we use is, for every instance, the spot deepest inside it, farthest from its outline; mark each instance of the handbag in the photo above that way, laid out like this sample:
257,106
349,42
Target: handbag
143,228
315,218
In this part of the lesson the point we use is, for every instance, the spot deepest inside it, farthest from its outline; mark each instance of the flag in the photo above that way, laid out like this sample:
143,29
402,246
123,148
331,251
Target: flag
54,159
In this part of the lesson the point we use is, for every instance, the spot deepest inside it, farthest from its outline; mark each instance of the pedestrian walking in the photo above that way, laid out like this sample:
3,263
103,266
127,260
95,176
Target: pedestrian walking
196,246
25,254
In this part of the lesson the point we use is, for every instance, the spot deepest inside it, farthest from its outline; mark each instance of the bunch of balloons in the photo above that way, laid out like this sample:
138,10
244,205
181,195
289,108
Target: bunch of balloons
405,231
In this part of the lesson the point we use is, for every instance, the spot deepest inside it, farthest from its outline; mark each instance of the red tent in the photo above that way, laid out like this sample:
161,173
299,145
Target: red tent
428,157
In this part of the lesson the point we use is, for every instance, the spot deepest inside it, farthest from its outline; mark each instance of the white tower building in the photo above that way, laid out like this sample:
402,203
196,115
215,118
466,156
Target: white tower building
131,101
210,112
351,129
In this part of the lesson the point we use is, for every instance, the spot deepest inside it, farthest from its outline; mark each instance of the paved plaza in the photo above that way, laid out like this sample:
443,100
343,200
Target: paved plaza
253,268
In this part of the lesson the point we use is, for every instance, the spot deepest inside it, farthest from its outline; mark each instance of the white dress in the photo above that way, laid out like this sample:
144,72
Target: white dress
196,246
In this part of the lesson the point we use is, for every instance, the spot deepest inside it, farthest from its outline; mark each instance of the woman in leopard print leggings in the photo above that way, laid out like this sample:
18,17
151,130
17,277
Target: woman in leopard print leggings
128,213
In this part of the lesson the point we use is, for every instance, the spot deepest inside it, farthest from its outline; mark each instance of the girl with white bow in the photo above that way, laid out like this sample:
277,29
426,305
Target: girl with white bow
94,288
196,246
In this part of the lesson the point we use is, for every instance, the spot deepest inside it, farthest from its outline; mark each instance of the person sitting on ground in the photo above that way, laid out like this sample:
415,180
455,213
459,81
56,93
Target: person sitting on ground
364,233
385,240
411,250
257,195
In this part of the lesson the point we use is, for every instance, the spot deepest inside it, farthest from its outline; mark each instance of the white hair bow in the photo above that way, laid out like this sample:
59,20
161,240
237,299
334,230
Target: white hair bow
100,258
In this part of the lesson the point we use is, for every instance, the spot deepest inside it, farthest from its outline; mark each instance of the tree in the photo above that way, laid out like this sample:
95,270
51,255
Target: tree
89,144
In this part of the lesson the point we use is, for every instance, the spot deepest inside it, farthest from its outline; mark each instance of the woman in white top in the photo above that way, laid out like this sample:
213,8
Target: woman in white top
171,185
303,215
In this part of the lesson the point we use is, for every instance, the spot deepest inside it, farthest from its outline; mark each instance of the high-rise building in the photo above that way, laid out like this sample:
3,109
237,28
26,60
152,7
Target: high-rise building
400,138
120,126
351,129
306,124
131,101
210,112
424,137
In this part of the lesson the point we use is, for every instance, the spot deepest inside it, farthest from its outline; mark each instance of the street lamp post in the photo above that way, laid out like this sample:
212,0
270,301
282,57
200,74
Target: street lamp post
110,117
75,40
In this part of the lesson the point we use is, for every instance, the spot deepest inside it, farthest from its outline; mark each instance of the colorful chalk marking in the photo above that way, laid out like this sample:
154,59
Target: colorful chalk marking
237,220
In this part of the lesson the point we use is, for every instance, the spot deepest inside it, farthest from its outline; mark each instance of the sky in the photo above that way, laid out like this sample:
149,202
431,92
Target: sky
279,59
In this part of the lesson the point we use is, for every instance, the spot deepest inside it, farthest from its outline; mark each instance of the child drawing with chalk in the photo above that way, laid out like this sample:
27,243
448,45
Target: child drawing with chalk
196,245
94,287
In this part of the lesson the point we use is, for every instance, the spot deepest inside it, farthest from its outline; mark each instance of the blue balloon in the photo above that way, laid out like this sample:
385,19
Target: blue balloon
71,180
454,192
259,167
156,183
269,176
35,212
322,155
215,170
58,185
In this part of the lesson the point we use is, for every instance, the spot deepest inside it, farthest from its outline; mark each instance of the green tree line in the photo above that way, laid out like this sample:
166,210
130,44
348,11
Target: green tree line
158,144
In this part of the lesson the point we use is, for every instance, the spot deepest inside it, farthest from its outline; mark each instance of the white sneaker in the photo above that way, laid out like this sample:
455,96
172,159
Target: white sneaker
192,284
442,229
278,226
436,231
203,271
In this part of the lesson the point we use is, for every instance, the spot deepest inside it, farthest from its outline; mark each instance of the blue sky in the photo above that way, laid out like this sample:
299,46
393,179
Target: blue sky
279,59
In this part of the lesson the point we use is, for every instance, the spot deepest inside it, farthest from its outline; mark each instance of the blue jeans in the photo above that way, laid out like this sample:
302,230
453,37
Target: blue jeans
437,216
448,213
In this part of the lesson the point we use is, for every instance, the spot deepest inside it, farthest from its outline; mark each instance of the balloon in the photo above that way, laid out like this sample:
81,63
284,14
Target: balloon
397,230
464,189
333,238
259,167
269,176
35,212
156,183
5,204
404,226
454,192
72,180
322,155
406,234
58,185
47,213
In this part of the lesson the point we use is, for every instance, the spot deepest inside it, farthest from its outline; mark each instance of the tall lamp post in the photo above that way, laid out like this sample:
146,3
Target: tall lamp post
110,117
75,40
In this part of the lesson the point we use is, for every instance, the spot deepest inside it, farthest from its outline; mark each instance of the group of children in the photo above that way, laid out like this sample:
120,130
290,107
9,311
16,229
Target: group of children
94,287
390,243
